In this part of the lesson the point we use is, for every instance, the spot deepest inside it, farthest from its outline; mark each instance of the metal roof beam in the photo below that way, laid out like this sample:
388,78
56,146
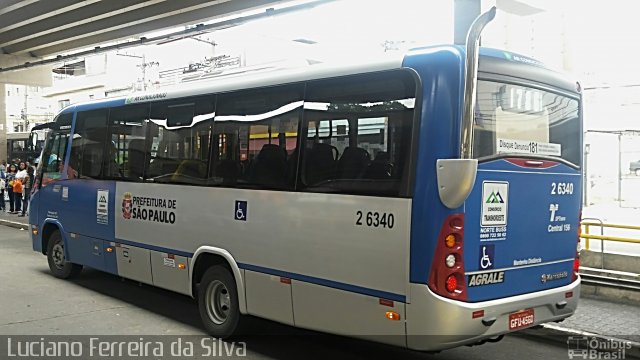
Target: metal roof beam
72,18
39,11
12,5
212,26
162,16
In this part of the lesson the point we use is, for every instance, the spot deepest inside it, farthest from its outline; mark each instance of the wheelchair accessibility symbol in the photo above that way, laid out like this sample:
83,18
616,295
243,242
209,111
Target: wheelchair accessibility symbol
486,256
241,210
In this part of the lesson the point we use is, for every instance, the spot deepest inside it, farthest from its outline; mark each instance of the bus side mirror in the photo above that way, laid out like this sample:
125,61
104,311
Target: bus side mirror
33,141
456,178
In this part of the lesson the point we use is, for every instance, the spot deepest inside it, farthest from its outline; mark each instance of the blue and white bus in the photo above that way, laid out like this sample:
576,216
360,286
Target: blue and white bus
354,200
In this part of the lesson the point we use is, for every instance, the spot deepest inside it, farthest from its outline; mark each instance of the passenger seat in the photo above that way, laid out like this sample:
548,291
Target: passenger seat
380,168
136,161
270,166
353,163
320,163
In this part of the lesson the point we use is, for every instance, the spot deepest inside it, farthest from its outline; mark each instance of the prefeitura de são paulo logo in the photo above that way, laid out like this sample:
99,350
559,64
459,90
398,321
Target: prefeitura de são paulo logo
126,205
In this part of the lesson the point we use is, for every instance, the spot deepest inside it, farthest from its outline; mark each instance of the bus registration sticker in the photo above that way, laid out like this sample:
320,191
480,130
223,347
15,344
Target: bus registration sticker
102,207
495,199
521,319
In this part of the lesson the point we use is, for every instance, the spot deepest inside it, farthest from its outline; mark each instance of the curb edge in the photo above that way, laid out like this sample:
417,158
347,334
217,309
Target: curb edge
14,224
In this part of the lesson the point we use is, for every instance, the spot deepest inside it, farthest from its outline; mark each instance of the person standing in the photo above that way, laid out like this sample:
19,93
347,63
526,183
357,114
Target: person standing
2,186
10,178
26,190
18,186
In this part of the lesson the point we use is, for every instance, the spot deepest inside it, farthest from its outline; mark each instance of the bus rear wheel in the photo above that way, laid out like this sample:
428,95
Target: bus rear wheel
59,266
218,302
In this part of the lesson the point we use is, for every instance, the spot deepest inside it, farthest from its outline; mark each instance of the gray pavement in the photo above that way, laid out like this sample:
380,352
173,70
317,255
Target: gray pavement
595,318
597,321
35,306
13,220
602,316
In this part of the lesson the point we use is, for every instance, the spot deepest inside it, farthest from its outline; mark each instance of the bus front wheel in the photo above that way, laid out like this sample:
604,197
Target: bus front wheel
218,302
59,266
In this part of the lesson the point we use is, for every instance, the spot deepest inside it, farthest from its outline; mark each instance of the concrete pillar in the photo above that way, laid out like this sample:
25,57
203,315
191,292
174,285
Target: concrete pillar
36,76
3,122
464,12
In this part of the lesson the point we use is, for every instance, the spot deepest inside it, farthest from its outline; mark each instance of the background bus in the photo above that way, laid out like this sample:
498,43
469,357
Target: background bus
27,146
329,198
18,145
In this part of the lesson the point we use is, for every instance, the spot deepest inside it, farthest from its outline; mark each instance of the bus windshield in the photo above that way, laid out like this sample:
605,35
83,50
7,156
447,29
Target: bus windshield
517,120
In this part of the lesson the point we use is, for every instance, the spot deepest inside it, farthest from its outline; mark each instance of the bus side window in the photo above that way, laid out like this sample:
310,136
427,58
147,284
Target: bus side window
55,152
180,133
127,146
359,134
55,158
256,138
87,144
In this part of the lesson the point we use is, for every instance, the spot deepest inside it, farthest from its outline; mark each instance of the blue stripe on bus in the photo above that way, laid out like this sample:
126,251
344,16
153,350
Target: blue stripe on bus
305,278
155,248
325,282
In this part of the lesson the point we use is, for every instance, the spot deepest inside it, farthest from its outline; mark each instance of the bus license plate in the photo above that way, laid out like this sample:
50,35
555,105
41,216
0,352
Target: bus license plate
521,319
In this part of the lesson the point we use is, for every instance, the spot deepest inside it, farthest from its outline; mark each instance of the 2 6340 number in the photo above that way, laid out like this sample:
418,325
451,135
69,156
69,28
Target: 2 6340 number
375,219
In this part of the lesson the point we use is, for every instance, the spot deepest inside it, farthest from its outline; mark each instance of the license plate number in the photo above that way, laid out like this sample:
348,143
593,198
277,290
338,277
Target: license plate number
521,319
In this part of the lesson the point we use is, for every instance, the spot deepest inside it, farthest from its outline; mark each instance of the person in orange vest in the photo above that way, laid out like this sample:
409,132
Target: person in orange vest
18,186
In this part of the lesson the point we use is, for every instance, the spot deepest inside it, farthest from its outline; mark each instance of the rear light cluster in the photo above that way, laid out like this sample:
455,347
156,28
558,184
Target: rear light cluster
576,260
447,270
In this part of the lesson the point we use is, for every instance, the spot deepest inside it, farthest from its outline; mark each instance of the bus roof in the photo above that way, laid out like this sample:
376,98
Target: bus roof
266,76
18,135
245,80
43,126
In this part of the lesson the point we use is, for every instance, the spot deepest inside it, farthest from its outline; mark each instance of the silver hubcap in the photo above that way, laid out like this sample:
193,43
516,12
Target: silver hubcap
58,255
218,302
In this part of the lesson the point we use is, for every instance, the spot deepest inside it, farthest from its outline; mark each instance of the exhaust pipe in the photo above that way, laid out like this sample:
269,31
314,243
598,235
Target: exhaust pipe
471,80
456,177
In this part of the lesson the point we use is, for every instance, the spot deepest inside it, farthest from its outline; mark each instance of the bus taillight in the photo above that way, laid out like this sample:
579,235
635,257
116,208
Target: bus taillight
452,283
576,260
447,270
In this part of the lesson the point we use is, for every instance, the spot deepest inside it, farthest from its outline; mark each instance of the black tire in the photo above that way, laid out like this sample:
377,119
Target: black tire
58,265
218,302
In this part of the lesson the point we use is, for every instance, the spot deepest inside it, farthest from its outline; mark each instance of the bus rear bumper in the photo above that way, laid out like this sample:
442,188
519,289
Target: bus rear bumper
437,323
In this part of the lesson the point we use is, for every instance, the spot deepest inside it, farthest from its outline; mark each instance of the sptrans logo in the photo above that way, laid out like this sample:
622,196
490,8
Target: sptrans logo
495,198
126,205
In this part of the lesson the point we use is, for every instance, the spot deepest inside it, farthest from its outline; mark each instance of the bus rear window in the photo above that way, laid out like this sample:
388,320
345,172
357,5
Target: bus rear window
517,120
